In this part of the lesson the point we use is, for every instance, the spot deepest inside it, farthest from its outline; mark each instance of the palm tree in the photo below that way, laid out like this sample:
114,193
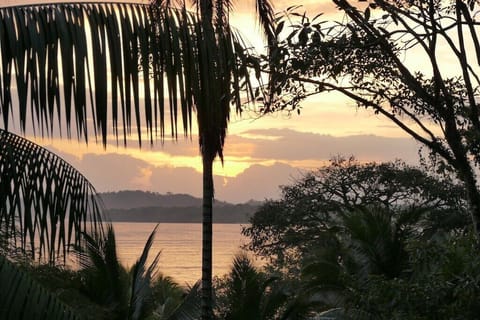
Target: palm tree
247,293
139,293
213,98
81,60
368,241
175,302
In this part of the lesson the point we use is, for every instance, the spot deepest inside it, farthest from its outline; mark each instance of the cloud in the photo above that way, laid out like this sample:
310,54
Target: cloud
272,157
287,144
116,172
290,145
113,172
257,182
176,180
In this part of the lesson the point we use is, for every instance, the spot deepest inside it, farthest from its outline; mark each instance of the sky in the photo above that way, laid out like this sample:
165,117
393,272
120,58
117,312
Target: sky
260,153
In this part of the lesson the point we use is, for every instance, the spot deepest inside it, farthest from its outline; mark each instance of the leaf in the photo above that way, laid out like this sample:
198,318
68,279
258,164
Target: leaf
22,298
279,28
367,13
142,276
51,201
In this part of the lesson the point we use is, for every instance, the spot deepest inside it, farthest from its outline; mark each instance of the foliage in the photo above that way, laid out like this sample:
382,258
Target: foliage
140,293
382,270
46,203
122,51
247,293
286,231
441,281
104,280
198,54
65,284
102,289
22,297
373,241
105,65
367,241
368,57
174,302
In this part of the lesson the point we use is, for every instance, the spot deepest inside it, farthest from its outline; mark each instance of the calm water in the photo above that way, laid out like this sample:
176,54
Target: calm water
180,244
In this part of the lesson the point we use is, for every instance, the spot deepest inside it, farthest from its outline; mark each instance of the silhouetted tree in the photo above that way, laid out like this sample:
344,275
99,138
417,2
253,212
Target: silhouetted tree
288,230
368,58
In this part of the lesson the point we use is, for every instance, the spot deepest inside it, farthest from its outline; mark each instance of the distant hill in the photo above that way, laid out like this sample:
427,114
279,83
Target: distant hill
129,199
141,206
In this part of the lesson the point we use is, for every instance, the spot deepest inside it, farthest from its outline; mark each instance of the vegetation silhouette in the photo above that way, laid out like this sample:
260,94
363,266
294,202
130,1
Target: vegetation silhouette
402,250
352,240
363,58
78,51
284,231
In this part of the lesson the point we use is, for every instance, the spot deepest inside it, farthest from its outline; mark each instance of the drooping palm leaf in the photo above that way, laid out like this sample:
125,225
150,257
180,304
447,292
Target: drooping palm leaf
116,63
69,58
45,203
23,298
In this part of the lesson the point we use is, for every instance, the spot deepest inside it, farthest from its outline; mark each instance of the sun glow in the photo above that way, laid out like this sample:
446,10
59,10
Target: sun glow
156,156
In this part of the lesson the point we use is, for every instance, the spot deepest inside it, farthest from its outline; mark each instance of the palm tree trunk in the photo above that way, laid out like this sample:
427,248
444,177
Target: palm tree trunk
207,210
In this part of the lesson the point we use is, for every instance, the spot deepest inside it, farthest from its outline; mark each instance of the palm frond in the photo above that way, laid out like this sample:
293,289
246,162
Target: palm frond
251,294
168,295
105,281
23,298
45,203
266,18
142,276
375,244
189,308
109,44
128,59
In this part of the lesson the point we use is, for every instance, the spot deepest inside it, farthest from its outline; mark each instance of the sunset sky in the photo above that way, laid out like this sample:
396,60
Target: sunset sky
260,153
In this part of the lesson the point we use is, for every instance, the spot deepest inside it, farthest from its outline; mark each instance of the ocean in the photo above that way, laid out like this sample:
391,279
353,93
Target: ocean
180,246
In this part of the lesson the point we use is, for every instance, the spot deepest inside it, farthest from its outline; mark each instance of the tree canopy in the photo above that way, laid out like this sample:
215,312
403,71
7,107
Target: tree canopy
391,57
286,231
372,241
